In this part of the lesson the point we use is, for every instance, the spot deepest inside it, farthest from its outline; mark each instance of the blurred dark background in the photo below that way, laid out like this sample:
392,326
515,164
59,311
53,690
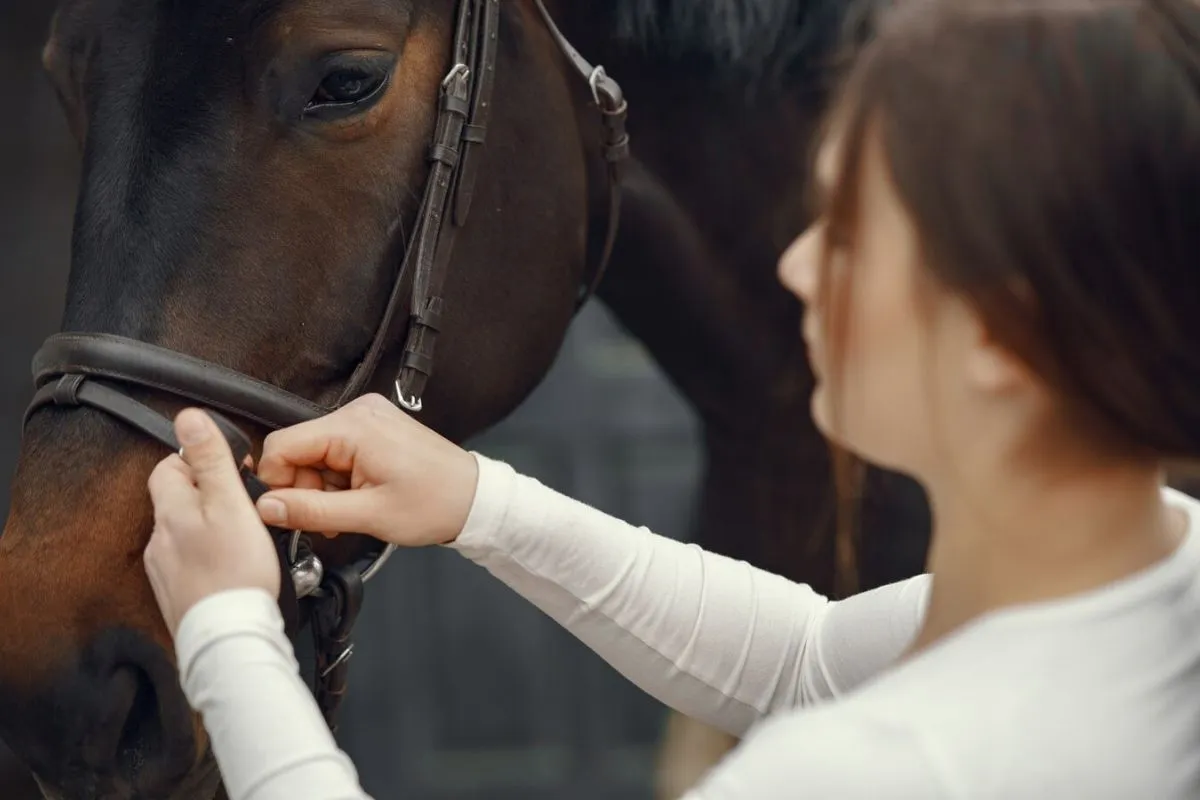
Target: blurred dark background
459,689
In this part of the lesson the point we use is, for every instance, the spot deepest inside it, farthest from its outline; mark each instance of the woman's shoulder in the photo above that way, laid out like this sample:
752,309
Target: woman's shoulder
973,719
1106,683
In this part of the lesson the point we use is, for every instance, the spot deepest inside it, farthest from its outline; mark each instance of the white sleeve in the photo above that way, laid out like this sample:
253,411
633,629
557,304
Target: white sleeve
827,754
237,668
711,637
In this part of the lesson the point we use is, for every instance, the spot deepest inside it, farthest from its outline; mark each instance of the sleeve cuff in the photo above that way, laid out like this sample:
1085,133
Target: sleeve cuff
489,510
230,613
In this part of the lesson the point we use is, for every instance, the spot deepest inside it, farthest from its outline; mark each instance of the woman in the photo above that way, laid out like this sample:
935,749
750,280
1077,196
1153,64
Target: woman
1001,302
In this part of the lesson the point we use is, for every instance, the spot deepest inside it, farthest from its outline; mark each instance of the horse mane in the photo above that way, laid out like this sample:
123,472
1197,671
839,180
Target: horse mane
744,40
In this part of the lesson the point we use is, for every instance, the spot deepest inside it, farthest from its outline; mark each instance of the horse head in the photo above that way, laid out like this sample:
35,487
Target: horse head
255,174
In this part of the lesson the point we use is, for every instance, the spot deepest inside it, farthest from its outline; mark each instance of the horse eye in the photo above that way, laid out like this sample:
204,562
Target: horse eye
347,88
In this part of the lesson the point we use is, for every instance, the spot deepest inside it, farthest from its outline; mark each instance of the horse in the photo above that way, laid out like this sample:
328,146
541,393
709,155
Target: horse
195,234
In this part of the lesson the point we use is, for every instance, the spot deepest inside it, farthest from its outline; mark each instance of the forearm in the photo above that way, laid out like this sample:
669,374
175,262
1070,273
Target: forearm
711,637
238,670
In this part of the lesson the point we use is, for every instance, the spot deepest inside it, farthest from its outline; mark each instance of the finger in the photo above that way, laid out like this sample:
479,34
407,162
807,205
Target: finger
328,481
319,480
307,478
315,510
162,598
320,443
156,553
334,481
207,453
171,484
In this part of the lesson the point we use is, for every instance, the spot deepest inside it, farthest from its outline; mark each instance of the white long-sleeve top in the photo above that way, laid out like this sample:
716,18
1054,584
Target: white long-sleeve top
1096,696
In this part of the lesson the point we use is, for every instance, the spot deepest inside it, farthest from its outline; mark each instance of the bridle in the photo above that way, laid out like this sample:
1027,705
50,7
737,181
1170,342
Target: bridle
76,369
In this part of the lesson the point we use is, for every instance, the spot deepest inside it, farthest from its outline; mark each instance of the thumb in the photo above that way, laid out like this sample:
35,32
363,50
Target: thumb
351,511
207,453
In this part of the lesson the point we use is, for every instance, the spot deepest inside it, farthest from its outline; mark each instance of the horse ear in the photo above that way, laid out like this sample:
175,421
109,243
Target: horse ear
65,63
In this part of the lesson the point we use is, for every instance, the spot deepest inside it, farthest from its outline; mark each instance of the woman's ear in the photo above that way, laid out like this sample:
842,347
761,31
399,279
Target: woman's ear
992,368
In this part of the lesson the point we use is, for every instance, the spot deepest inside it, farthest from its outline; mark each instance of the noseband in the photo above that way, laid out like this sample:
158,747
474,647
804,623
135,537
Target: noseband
73,370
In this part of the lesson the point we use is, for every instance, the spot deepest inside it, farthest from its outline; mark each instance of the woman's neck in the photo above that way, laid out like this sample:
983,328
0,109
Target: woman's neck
1031,535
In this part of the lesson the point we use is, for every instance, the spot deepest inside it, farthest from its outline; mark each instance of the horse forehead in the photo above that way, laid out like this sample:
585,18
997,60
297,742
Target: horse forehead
176,68
198,27
124,20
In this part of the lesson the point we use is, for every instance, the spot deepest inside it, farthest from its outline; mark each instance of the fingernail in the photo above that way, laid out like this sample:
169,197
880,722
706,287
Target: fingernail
272,511
192,428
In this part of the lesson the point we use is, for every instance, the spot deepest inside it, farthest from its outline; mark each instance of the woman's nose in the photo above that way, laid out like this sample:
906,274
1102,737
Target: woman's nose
798,266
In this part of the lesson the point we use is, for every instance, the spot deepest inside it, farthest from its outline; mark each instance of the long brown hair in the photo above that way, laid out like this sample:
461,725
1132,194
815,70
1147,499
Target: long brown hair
1048,153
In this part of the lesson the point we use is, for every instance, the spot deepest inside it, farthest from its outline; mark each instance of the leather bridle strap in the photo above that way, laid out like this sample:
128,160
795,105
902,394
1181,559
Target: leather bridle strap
131,361
445,161
460,130
482,63
614,110
464,92
75,390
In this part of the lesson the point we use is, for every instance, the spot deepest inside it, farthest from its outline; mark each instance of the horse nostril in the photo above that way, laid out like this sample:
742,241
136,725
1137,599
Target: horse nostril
129,732
114,723
142,732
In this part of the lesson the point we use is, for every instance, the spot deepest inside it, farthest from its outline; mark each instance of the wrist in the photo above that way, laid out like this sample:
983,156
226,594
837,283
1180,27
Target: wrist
494,485
222,614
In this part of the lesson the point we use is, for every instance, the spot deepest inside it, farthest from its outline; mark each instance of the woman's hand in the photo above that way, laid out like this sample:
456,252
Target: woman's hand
382,472
207,535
